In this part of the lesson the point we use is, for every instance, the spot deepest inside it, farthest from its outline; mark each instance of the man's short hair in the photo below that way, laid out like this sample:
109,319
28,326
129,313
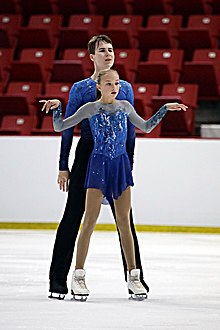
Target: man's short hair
95,40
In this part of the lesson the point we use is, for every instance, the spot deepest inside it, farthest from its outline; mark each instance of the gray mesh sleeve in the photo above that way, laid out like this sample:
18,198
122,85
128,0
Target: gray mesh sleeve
145,125
83,112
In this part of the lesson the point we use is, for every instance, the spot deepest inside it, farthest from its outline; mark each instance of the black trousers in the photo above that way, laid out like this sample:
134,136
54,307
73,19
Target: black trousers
70,223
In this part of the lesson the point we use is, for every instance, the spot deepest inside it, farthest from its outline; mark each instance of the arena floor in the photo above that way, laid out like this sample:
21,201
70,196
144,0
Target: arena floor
182,271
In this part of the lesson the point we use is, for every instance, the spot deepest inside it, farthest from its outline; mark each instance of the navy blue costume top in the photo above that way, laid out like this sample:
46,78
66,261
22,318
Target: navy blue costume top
82,92
109,169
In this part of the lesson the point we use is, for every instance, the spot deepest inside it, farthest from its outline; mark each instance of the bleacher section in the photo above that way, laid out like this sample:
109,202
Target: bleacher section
167,49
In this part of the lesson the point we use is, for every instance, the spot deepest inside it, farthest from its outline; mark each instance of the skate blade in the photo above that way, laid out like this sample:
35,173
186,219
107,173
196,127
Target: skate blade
58,296
138,297
79,297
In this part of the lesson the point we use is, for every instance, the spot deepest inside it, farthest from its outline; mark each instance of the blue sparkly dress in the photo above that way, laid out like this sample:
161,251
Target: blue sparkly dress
109,167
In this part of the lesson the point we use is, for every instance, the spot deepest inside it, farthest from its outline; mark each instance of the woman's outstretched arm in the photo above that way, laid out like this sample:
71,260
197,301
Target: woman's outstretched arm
148,125
85,111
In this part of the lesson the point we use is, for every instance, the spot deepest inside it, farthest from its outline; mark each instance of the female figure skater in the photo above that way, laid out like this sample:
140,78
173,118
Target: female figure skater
109,171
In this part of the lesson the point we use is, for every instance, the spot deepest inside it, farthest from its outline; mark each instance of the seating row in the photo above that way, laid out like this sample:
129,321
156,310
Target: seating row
161,31
20,110
106,7
162,67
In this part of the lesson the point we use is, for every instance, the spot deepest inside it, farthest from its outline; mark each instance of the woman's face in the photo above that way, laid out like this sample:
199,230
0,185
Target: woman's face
104,56
109,86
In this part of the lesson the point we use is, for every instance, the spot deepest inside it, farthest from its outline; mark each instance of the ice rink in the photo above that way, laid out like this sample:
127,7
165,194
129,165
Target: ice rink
182,270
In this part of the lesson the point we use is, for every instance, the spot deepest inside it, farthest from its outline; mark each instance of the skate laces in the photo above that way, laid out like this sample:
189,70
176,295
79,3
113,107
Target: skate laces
136,281
81,282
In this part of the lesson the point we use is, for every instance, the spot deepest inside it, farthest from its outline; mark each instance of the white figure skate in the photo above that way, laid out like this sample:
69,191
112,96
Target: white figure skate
78,286
135,287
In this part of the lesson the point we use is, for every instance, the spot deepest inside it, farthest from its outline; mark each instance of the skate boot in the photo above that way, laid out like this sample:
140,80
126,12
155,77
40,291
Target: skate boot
58,289
135,287
78,286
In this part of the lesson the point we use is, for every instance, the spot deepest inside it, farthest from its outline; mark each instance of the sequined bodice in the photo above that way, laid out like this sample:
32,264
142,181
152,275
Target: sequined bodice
109,130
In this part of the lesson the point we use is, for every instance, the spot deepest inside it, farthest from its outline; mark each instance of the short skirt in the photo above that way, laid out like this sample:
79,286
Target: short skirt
111,176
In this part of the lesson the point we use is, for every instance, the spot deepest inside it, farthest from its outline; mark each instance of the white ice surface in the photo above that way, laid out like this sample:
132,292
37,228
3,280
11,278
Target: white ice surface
182,270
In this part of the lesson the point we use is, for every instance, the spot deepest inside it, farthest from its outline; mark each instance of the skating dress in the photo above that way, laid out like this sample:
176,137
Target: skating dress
109,167
82,92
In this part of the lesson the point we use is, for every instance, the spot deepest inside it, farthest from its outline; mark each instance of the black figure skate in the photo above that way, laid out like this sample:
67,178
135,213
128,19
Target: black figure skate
58,289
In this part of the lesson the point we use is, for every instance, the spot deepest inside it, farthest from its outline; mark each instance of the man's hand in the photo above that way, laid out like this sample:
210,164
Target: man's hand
63,180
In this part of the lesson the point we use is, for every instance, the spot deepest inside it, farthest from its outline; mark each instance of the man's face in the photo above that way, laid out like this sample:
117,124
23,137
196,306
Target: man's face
104,56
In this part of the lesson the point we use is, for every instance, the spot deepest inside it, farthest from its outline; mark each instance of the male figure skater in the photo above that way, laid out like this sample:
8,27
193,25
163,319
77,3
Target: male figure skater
102,54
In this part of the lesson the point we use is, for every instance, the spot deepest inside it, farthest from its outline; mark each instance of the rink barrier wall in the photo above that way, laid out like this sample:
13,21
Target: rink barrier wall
177,183
111,227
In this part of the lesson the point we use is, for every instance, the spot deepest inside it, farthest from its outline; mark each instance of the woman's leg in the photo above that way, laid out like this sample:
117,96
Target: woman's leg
93,205
122,209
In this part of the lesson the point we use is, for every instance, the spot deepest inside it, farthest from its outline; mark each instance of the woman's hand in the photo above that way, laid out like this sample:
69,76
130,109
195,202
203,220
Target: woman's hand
176,106
49,104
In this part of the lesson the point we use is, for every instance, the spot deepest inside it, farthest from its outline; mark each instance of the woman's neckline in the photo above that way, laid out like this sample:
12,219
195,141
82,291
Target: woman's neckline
107,104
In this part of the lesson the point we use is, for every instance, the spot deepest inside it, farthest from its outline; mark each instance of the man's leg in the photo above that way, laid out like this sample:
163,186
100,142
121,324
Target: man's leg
69,226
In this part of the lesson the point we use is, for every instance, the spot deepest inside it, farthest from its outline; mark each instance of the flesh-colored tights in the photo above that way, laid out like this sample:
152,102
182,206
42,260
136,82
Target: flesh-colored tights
122,209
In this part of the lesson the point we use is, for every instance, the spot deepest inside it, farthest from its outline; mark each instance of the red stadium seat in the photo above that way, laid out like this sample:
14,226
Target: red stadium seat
80,29
9,26
35,38
29,58
42,32
26,72
187,93
19,98
202,31
45,127
76,7
216,7
13,105
155,7
6,57
67,71
207,55
192,7
107,8
81,58
167,22
143,105
59,91
123,29
143,98
163,66
30,7
17,125
10,7
178,123
161,32
204,70
33,65
52,23
126,63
